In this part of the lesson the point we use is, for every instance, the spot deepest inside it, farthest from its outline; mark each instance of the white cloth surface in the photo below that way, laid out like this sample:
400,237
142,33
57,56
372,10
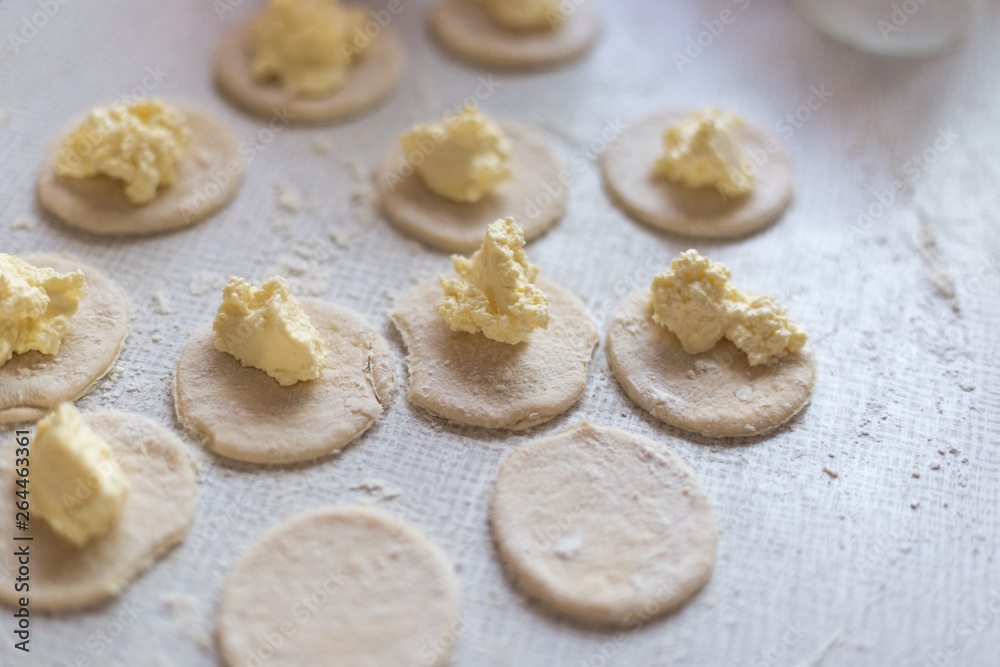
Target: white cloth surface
874,567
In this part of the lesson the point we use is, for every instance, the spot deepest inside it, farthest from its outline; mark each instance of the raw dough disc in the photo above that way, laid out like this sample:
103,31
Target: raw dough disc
716,393
602,525
243,413
628,164
467,31
344,585
470,379
32,384
205,184
371,80
157,512
535,197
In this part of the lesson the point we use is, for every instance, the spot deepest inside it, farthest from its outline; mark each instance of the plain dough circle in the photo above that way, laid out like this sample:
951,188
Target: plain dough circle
381,594
459,226
243,413
715,393
703,212
32,384
375,76
205,185
157,512
466,30
472,380
605,526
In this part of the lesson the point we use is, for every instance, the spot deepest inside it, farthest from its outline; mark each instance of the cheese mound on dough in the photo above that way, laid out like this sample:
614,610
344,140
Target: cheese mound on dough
77,485
703,151
463,158
309,45
494,294
696,303
525,14
36,305
138,143
266,328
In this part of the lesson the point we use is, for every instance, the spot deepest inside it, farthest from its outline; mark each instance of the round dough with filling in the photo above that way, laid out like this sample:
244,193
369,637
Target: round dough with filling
715,393
243,413
535,197
157,512
466,29
32,384
470,379
345,585
370,81
605,526
208,177
702,212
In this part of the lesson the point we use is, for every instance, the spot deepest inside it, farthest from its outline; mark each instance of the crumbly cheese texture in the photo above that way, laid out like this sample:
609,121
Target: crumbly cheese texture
703,151
525,14
266,328
695,301
309,45
36,306
463,158
76,484
138,144
495,293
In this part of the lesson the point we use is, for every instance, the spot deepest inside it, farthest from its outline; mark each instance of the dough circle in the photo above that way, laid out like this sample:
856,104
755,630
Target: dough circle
205,185
370,81
32,384
715,393
243,413
605,526
470,379
535,197
345,585
703,212
466,30
156,517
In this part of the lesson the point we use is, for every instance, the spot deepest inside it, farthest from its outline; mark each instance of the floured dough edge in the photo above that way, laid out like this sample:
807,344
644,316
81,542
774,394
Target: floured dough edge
466,30
703,212
536,197
471,380
89,350
370,82
716,393
157,514
246,610
209,174
544,500
280,425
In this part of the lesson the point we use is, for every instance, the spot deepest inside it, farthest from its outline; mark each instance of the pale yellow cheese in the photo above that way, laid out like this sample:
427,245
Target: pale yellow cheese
525,14
696,303
309,45
36,305
692,300
703,151
138,143
761,328
77,485
266,328
463,158
495,293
